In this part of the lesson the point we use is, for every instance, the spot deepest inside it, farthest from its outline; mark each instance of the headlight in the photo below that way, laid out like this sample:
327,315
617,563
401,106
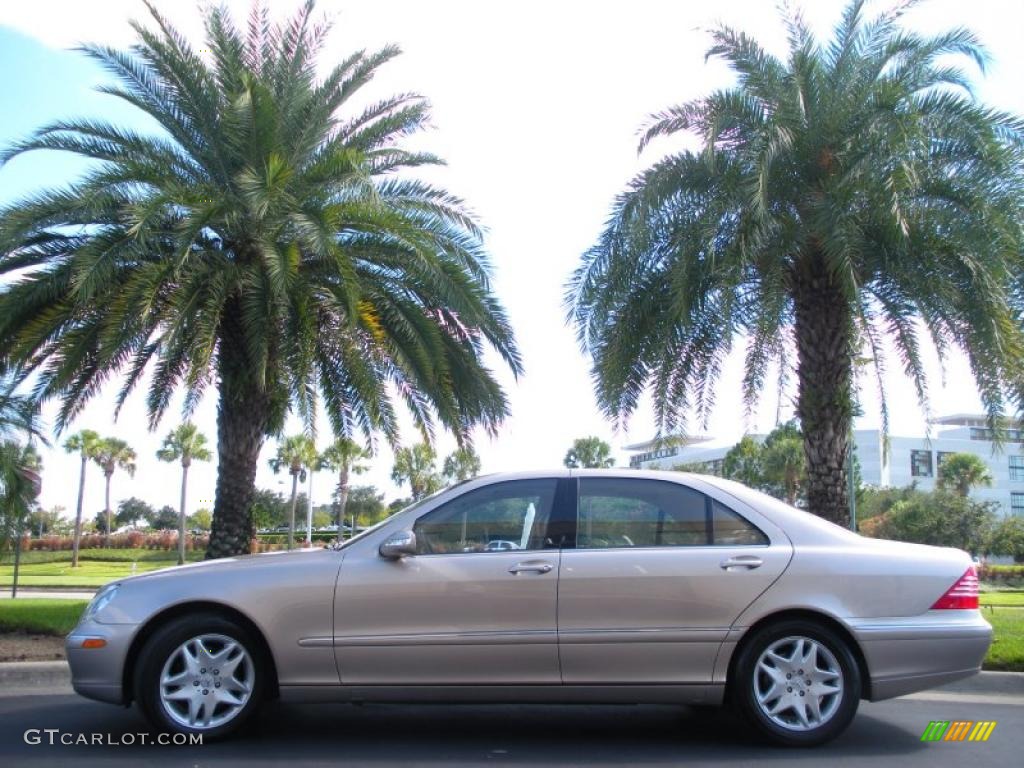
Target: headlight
101,601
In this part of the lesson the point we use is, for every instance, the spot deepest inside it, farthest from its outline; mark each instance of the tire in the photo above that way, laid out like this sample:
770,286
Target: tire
770,694
179,683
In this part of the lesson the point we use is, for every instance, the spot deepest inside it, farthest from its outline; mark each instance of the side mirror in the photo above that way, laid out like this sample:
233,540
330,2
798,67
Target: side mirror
398,545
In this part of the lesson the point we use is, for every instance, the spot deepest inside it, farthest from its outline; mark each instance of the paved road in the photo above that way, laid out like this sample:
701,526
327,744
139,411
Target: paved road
883,734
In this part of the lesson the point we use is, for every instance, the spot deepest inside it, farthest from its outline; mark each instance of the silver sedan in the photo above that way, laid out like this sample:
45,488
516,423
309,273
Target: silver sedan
582,586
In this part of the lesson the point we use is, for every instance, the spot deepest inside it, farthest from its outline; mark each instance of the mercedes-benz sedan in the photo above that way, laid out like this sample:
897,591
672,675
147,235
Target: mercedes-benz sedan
583,586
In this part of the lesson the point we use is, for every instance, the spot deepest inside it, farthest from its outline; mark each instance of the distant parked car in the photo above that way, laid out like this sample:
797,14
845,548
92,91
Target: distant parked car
629,587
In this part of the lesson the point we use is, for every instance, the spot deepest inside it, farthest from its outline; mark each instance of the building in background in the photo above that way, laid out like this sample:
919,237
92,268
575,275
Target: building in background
909,460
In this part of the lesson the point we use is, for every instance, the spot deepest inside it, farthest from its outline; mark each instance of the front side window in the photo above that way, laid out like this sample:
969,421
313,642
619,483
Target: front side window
921,463
617,513
497,518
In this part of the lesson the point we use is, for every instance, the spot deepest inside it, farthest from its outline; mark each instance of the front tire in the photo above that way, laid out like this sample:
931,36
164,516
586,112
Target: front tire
797,682
200,674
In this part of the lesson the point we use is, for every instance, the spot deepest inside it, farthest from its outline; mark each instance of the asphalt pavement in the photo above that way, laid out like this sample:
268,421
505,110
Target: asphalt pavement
883,734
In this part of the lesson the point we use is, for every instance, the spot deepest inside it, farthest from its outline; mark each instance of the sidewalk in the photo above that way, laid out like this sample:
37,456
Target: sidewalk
57,594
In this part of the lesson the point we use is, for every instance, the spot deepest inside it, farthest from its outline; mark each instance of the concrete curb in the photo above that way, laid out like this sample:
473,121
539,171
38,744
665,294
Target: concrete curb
34,674
22,675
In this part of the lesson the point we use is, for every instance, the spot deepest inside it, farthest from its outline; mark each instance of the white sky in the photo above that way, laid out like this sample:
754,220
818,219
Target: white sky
536,106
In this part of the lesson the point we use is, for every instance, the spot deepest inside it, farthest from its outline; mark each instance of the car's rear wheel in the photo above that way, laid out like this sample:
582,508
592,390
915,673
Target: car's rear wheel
200,674
797,682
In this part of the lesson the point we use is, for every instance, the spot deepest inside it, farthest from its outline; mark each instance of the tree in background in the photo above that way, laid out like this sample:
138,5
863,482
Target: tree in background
19,488
166,518
961,472
112,453
415,465
200,520
1008,538
939,518
462,464
776,466
131,510
743,463
272,240
589,453
365,506
49,521
269,509
344,456
85,444
397,505
297,455
184,444
850,194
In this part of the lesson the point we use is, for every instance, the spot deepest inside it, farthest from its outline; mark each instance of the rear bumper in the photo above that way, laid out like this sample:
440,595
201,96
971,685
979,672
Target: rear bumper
909,654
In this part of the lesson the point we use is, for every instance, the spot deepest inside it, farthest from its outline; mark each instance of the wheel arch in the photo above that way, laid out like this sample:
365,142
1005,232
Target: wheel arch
805,614
169,614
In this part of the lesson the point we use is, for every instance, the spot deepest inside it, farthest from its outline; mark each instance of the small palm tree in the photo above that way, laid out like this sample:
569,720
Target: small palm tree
270,241
415,465
185,444
85,443
962,472
462,464
589,452
344,456
850,192
112,453
297,455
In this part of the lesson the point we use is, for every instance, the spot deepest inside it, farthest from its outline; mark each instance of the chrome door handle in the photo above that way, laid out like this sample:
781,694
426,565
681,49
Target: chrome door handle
531,567
750,562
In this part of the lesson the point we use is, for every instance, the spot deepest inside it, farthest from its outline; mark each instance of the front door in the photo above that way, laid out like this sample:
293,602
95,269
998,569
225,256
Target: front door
476,604
659,574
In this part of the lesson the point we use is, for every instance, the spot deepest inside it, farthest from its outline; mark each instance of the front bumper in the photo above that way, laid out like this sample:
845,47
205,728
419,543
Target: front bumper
98,673
909,654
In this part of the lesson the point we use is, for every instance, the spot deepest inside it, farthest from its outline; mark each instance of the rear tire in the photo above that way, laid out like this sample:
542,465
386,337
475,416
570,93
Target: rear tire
200,674
797,682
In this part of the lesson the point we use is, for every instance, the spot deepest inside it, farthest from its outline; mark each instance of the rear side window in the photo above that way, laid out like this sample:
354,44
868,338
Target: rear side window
729,529
617,513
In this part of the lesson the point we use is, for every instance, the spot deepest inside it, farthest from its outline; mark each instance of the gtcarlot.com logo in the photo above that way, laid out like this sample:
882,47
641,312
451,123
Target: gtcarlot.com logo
55,736
958,730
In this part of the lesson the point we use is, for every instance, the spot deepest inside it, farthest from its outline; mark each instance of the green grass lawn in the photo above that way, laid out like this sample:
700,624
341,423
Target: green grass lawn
89,573
103,555
1003,598
1007,652
40,615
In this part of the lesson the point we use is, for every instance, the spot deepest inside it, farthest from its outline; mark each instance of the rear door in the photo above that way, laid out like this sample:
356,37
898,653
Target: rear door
659,573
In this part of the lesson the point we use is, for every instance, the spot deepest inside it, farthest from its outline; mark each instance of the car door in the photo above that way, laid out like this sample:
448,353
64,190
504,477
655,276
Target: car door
659,573
475,604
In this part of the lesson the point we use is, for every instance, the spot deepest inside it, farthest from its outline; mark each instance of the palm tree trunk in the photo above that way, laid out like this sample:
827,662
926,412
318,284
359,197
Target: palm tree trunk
107,504
78,514
242,417
825,399
181,515
343,499
291,522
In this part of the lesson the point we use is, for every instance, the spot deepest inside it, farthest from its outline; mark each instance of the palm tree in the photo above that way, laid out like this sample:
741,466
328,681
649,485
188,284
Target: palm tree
850,192
590,452
269,243
962,472
185,444
112,453
462,464
19,466
297,454
344,456
415,465
85,443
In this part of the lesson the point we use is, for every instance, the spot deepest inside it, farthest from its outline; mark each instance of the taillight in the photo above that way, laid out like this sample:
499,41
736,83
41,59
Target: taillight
963,594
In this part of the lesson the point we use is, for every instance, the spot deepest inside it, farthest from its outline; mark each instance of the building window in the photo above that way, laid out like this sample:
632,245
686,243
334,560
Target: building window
921,463
1017,504
1017,468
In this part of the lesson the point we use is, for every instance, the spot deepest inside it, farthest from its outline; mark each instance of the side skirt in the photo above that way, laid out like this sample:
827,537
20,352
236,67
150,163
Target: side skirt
505,694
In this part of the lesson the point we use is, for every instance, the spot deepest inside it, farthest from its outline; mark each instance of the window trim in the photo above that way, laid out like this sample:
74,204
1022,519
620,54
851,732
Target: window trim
708,519
555,497
1016,471
1014,508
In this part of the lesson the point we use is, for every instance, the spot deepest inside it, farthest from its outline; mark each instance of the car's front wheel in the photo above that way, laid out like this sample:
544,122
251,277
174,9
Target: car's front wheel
199,674
797,682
